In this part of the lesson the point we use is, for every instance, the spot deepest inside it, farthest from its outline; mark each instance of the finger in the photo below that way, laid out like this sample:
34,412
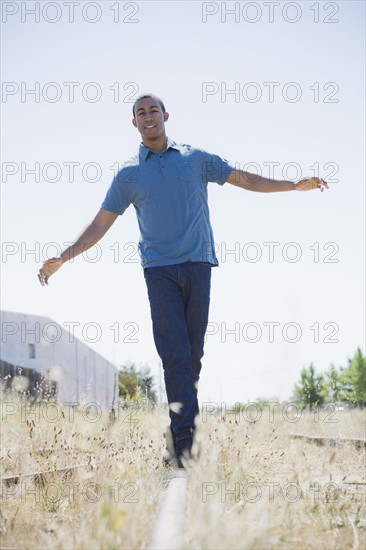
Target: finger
323,185
40,278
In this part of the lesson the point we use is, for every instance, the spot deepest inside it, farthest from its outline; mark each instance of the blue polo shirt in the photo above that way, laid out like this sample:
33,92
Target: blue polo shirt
169,193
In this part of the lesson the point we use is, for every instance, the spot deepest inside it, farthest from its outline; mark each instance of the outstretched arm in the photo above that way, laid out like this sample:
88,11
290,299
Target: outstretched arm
254,182
88,238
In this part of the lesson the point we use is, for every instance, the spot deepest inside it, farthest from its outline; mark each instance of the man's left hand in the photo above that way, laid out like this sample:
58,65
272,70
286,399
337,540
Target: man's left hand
311,183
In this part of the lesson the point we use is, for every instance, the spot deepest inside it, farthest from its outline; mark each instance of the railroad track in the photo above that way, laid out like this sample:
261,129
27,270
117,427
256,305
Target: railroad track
332,441
169,527
168,532
170,523
41,477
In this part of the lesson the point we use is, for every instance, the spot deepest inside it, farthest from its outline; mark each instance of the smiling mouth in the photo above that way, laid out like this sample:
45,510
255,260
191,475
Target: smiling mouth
149,126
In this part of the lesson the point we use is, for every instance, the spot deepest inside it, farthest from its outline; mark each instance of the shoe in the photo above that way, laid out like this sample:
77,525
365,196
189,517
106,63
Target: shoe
177,454
184,452
169,455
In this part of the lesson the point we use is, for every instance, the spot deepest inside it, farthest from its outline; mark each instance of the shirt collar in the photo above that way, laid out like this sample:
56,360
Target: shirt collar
144,151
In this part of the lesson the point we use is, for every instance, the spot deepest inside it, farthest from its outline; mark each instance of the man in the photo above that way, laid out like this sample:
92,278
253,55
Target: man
167,184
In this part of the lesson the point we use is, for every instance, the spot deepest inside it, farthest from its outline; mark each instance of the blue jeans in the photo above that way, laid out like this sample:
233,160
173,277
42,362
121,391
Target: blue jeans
179,298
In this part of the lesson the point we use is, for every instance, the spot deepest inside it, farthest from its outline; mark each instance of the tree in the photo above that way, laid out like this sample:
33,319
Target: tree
354,379
133,385
146,383
335,384
311,390
127,382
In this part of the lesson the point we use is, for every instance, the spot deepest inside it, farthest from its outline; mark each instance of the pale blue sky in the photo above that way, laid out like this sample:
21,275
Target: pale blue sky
172,53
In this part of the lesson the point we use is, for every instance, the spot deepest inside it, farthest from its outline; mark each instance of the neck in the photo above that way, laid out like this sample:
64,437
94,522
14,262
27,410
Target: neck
156,144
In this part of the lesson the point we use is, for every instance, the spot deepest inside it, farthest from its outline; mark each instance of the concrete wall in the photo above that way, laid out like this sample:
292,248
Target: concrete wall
38,343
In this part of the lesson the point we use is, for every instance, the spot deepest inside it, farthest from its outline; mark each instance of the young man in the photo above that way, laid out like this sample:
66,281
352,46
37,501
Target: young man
167,184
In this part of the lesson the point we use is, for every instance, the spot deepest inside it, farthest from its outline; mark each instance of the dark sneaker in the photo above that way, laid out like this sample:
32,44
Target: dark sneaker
169,457
179,454
184,452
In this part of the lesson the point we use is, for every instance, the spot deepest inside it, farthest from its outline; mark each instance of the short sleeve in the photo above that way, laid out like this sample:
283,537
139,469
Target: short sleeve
215,168
118,197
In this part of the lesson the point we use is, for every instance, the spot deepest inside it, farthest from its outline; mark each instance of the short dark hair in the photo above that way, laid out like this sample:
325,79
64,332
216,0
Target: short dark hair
147,96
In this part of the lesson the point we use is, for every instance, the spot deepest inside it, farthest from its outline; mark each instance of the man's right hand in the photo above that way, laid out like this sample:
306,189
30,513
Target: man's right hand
89,237
49,268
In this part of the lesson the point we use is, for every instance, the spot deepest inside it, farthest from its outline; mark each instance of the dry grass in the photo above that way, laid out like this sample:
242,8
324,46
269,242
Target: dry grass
255,487
252,487
111,502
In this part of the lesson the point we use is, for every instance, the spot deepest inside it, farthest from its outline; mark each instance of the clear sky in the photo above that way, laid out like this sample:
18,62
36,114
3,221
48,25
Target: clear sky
274,86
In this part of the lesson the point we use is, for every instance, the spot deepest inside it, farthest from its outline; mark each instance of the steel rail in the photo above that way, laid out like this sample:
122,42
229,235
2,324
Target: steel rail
168,533
333,441
40,476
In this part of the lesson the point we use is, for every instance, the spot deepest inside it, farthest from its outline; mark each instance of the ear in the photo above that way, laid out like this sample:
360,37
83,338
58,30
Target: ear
134,122
166,116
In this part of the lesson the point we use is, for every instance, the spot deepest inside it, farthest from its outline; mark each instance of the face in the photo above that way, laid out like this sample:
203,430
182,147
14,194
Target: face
149,118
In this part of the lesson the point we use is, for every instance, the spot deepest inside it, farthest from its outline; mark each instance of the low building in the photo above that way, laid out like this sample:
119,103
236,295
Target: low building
52,362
